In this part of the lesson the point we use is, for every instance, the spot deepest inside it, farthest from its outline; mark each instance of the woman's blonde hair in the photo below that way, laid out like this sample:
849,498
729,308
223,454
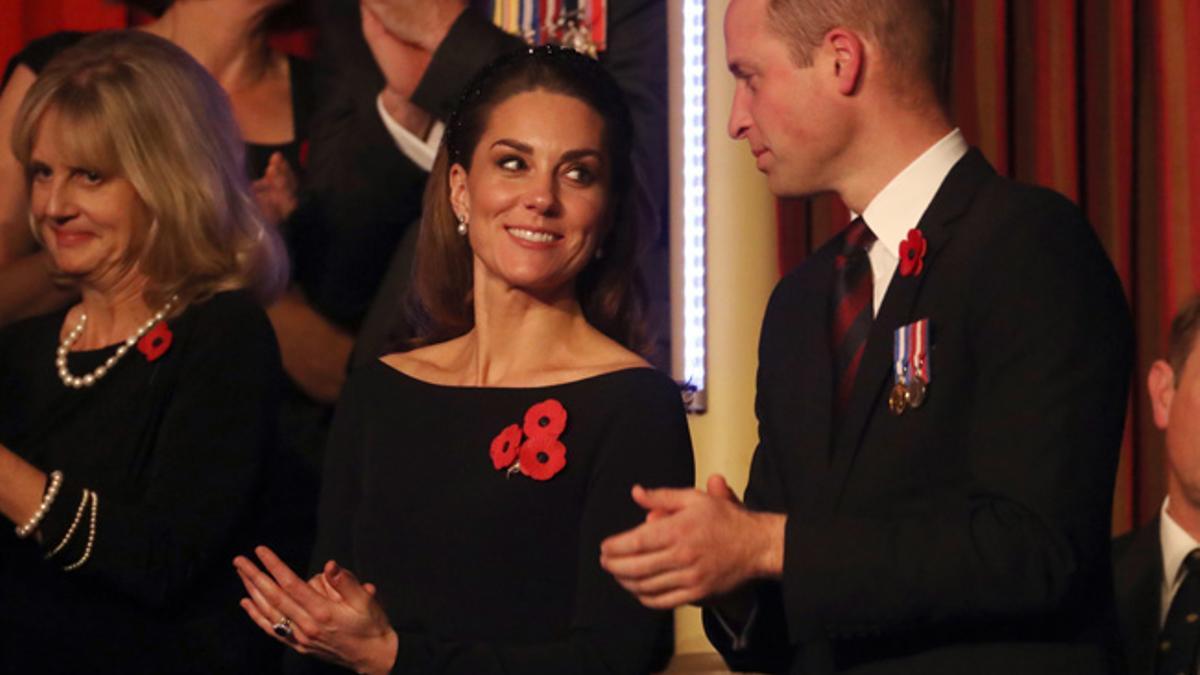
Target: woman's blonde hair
134,105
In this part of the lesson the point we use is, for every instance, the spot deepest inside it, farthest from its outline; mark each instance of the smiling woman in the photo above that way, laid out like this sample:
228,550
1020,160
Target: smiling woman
136,425
471,479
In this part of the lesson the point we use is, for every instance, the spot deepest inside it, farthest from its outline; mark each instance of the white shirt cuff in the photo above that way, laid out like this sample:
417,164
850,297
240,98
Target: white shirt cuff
739,640
420,151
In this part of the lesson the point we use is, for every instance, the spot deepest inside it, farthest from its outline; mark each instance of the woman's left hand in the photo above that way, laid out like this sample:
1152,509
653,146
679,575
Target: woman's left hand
332,616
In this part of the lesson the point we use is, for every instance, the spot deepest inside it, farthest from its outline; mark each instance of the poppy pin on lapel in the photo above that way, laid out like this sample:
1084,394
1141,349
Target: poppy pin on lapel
912,253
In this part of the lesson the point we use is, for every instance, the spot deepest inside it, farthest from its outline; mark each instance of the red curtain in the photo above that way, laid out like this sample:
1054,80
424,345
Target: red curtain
1100,100
23,20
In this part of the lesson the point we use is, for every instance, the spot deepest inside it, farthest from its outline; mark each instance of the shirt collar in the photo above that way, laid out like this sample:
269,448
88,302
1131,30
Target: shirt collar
1176,544
900,204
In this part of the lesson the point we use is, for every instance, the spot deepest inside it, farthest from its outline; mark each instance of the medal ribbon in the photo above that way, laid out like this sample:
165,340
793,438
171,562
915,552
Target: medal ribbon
559,21
918,358
900,357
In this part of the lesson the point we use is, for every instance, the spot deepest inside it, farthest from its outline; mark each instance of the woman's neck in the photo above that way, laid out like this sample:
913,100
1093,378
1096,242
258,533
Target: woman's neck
519,338
113,314
232,45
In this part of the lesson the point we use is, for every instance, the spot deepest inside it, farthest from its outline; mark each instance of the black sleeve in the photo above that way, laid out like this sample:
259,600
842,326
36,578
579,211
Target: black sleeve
611,632
341,480
216,431
1051,344
362,192
472,43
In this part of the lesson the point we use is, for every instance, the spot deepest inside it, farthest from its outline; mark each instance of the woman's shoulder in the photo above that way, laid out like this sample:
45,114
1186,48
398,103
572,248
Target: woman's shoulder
233,316
31,332
434,364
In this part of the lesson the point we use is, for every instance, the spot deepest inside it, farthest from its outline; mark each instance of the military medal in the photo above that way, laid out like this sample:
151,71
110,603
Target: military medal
910,359
898,399
580,25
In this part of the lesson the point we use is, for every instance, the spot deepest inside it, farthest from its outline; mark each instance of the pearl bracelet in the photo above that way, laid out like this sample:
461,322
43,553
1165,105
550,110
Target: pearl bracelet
87,549
74,525
56,479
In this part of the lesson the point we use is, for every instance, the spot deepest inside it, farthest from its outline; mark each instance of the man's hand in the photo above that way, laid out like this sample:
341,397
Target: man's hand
424,23
403,63
693,545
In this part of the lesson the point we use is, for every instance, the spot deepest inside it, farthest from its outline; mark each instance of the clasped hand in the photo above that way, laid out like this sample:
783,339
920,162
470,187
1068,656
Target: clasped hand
694,545
332,616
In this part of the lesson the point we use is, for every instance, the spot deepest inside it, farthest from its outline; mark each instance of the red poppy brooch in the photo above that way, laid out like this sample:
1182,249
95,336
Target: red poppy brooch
912,253
156,341
533,448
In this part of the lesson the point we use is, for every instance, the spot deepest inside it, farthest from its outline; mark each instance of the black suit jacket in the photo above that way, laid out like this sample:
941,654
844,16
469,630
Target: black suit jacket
970,535
1138,576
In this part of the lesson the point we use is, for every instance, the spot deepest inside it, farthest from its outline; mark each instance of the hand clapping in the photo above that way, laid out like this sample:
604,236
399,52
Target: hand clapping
693,545
331,616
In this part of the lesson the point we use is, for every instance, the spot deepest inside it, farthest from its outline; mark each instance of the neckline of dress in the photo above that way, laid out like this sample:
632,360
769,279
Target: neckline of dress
540,387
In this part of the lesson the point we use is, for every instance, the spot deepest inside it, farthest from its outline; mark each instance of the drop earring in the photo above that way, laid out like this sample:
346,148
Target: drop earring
462,226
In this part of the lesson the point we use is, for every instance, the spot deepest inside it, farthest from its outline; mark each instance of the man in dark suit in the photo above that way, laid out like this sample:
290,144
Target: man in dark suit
941,388
1158,608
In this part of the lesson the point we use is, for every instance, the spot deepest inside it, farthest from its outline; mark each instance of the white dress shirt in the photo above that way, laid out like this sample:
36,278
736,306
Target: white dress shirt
420,151
1176,545
900,204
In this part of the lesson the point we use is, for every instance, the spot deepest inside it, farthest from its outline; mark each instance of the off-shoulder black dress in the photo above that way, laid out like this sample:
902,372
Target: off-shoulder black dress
482,570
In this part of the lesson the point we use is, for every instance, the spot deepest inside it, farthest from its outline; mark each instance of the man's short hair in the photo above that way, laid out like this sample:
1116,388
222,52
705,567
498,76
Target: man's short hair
915,34
1185,329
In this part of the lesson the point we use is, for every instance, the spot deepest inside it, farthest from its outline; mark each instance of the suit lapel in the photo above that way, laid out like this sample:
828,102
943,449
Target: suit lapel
816,405
953,199
1139,597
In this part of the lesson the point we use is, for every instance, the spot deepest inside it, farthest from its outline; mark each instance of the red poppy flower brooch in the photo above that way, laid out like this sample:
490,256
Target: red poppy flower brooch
912,254
156,341
533,448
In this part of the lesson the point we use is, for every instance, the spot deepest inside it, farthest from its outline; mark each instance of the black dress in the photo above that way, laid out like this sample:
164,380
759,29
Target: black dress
177,449
484,572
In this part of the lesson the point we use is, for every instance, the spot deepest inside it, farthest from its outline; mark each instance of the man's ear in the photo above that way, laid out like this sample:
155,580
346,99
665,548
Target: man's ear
460,195
848,53
1161,385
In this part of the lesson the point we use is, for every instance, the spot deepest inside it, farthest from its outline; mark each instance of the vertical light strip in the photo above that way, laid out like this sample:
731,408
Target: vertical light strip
694,224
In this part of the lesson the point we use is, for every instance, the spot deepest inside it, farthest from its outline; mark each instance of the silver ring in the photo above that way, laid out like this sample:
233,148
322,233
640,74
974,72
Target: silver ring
283,628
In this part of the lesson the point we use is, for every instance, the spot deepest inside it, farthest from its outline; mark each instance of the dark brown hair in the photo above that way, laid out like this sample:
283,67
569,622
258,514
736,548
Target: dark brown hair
610,288
1185,329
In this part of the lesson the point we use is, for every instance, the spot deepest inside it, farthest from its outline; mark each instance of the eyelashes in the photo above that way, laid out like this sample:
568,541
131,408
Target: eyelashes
578,173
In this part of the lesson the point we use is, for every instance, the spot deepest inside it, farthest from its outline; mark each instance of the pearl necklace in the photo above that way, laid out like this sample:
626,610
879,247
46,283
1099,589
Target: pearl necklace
88,380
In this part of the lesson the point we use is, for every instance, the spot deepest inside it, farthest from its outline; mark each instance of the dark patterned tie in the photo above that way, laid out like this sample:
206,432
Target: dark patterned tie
853,292
1181,633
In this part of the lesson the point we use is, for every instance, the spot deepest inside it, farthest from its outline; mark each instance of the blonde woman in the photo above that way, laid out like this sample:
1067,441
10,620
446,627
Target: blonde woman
135,425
